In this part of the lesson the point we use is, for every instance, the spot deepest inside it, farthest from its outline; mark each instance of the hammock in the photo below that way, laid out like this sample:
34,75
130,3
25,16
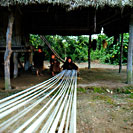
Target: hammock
47,107
48,44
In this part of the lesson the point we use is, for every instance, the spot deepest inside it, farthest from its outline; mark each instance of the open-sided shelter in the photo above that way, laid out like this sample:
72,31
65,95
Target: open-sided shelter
19,18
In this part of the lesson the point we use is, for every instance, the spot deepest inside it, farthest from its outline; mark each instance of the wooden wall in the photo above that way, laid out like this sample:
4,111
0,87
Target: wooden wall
19,38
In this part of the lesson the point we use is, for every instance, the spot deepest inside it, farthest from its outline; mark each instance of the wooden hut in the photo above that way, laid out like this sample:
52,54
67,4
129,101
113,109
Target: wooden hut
19,18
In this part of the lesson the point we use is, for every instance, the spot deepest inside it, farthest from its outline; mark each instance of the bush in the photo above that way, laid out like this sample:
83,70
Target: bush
111,54
77,47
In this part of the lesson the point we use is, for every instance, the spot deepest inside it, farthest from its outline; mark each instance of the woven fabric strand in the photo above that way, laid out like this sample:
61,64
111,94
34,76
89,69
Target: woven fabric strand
46,107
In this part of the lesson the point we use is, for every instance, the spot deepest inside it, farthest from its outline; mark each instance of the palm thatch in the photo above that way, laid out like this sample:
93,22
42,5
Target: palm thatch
70,3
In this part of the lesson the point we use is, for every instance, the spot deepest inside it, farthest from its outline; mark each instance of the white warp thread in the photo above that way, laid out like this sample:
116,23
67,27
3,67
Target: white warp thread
52,104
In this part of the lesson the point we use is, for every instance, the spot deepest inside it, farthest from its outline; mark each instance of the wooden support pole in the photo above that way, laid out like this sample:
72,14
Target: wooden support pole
121,54
116,36
15,60
8,52
31,58
89,57
130,52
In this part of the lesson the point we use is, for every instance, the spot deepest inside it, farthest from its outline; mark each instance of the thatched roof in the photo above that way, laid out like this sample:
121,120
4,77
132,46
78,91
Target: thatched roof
70,3
84,16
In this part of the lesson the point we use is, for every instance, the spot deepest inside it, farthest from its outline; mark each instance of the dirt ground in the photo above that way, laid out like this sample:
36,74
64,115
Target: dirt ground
99,75
104,113
97,111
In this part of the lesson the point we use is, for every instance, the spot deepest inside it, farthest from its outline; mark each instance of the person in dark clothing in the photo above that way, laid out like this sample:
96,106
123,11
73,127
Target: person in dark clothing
94,44
69,65
38,59
54,65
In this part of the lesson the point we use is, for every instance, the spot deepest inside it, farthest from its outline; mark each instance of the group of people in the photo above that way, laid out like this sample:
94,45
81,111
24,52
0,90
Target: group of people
38,59
55,65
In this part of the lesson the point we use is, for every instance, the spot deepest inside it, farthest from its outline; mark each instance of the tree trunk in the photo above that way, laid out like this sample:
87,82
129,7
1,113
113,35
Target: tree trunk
31,57
121,54
130,52
89,58
8,52
15,60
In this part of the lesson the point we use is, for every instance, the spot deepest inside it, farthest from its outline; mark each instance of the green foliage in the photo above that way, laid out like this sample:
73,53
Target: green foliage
131,96
114,51
83,90
98,89
35,40
125,90
73,46
111,54
77,47
107,99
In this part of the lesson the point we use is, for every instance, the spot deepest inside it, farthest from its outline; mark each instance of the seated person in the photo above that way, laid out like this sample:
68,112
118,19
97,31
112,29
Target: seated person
69,65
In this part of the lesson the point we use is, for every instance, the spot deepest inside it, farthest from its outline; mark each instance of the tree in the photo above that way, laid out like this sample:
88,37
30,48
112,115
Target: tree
8,52
130,52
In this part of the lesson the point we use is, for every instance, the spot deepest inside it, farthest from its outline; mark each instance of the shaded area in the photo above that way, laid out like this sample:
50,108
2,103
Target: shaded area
105,76
101,77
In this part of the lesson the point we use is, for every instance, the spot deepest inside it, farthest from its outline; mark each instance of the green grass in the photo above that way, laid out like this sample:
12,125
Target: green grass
124,90
107,99
83,90
98,90
130,96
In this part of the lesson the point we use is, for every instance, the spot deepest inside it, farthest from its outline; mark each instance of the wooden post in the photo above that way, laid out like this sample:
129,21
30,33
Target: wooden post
130,52
121,54
116,36
8,52
15,60
89,58
31,57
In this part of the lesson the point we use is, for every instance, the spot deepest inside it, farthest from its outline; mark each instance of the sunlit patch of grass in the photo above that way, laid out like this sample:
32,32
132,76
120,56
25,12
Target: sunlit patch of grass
98,90
130,96
124,90
83,90
107,99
